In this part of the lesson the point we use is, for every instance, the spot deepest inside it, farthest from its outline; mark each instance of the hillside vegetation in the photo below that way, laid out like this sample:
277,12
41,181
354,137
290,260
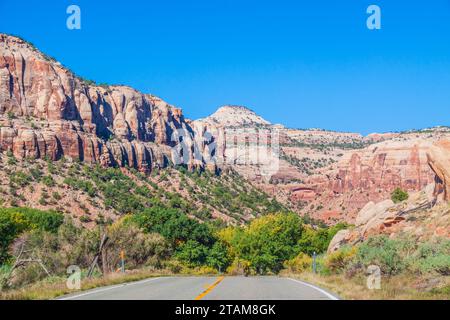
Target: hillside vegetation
172,220
408,269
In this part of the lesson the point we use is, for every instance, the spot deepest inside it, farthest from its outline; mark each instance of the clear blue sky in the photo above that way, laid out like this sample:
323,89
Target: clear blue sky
300,63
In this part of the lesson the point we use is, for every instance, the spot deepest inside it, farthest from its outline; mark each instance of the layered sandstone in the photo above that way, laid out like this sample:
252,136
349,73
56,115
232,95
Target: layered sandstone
371,174
46,111
424,214
328,175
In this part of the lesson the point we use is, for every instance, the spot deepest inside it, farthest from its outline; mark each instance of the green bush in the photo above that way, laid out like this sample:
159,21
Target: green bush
173,225
139,248
399,195
431,257
301,263
192,253
218,257
19,178
382,252
317,240
337,261
48,181
14,221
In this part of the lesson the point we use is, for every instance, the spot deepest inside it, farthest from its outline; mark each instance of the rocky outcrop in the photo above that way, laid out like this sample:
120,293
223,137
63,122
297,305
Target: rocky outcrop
385,165
439,161
235,116
339,239
46,111
371,174
330,175
371,211
424,213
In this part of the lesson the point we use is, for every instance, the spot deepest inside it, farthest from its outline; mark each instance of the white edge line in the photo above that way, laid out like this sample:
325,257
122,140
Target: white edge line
108,288
329,295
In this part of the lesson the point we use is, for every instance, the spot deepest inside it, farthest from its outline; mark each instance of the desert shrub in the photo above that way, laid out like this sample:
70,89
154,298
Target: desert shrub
68,246
431,257
173,265
14,221
203,214
399,195
302,262
4,272
383,252
36,173
56,195
85,219
26,275
139,248
239,267
48,181
439,264
203,270
83,185
338,260
393,256
19,178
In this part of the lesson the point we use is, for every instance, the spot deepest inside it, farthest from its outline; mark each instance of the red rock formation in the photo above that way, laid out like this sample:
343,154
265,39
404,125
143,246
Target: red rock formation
439,161
371,174
46,111
423,214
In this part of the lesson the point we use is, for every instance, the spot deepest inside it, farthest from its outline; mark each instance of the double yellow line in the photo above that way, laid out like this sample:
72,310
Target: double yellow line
210,288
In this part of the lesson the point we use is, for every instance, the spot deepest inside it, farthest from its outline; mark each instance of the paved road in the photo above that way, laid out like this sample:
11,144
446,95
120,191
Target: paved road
205,288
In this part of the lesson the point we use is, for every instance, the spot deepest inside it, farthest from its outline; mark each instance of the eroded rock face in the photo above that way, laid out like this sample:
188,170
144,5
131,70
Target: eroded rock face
331,174
46,111
371,174
386,165
439,161
339,239
423,214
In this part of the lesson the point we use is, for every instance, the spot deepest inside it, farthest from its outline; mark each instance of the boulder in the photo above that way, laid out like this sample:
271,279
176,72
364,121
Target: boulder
339,239
371,211
439,161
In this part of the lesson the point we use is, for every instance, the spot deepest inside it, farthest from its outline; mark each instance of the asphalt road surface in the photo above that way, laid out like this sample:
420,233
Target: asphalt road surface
207,288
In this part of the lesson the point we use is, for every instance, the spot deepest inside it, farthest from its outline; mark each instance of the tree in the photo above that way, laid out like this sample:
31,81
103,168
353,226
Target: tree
218,257
268,241
174,225
192,253
15,221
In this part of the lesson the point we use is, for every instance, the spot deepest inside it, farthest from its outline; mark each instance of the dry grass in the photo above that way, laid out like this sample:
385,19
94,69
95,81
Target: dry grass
51,288
401,287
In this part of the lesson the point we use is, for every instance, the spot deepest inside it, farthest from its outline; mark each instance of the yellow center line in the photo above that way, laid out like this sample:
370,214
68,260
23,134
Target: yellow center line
210,288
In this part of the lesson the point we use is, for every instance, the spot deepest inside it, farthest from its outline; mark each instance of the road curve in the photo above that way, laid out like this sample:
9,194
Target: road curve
207,288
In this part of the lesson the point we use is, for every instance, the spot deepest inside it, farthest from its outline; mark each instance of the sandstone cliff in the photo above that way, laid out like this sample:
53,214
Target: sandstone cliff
328,175
424,214
371,174
48,112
